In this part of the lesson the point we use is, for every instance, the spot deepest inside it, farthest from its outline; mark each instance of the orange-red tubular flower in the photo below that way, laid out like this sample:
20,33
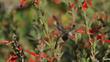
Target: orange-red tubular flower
43,55
32,53
22,3
57,1
12,58
71,6
4,42
80,31
84,6
107,41
100,36
31,60
91,31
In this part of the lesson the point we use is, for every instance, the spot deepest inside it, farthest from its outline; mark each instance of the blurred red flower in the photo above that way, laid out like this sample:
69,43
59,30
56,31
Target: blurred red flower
107,41
12,58
31,60
71,6
100,36
4,42
43,55
31,53
80,31
23,3
91,31
57,1
84,6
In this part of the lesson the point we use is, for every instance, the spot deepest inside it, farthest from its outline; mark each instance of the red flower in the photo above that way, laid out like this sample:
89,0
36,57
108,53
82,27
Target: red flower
31,60
57,1
4,42
71,6
107,41
100,36
51,59
91,31
20,48
80,31
84,6
12,58
32,53
43,55
22,3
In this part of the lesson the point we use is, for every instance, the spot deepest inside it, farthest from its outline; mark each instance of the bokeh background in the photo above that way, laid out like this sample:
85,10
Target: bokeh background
27,21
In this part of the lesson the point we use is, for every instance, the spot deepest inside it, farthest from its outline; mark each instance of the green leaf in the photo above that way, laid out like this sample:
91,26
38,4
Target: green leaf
85,36
37,51
71,42
63,6
90,12
45,60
